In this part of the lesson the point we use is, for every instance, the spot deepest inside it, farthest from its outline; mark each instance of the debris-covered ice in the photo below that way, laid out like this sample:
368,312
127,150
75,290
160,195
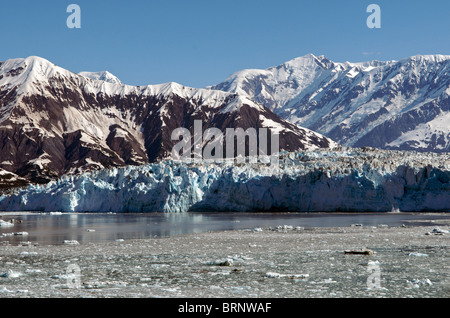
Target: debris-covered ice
359,252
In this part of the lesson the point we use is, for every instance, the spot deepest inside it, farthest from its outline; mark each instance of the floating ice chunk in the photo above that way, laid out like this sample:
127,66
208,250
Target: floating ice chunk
11,274
18,234
33,271
21,234
225,262
439,231
285,227
418,254
257,229
278,275
223,273
5,290
94,285
28,253
64,276
416,283
6,224
273,275
119,284
71,242
55,213
328,281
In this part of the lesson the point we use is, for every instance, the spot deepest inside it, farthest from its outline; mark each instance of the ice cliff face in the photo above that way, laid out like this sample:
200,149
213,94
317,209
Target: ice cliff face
323,180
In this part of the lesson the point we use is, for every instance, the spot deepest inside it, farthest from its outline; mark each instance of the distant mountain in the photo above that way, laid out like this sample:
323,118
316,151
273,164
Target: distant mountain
101,76
55,122
402,105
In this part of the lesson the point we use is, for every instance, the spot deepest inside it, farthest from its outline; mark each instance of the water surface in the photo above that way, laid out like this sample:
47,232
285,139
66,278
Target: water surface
55,228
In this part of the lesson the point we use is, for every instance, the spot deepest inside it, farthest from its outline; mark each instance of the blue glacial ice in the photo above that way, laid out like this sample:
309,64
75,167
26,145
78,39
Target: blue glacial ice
342,180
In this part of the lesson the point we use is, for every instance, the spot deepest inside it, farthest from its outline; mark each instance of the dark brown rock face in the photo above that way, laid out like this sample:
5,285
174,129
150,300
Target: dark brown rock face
54,122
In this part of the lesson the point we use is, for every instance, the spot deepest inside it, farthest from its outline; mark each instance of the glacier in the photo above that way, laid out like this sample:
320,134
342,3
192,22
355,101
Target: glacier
338,180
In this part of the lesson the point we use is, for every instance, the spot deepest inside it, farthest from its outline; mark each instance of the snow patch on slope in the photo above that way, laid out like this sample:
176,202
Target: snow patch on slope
424,134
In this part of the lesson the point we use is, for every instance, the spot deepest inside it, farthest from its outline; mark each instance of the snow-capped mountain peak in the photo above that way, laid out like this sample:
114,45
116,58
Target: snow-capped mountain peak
309,61
33,69
53,121
101,76
375,103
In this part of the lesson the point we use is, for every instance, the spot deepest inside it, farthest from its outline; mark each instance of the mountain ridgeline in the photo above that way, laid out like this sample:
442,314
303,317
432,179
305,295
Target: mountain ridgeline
55,122
398,105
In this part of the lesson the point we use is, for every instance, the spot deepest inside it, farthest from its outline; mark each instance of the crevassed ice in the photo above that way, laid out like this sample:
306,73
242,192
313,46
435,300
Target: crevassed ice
324,180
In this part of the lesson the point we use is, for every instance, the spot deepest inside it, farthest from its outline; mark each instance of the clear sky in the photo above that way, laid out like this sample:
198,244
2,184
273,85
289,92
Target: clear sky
201,42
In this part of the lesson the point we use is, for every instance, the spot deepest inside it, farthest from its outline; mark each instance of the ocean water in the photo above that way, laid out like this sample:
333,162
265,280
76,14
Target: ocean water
266,261
55,228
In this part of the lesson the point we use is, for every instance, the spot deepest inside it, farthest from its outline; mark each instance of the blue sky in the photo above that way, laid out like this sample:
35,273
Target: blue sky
201,42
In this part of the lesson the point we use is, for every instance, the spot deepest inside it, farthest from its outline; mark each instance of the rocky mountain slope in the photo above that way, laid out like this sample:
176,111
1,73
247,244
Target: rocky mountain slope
402,105
55,122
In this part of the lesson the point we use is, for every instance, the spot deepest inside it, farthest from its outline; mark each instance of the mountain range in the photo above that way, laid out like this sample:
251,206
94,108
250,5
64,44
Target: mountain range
399,105
55,122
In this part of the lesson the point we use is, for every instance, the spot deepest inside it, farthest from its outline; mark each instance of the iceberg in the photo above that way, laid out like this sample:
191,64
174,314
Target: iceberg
6,224
338,180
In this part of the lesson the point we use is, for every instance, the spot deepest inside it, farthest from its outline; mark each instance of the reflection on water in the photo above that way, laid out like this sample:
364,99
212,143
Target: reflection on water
52,229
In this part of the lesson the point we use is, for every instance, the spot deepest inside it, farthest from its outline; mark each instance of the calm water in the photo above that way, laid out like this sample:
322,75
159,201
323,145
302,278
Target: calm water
53,229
